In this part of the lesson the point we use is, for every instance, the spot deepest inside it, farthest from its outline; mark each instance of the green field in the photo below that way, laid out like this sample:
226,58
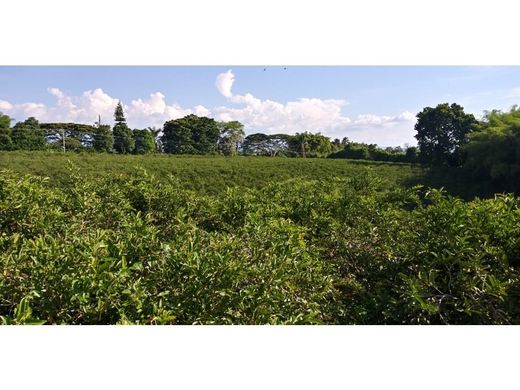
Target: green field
108,239
208,174
213,174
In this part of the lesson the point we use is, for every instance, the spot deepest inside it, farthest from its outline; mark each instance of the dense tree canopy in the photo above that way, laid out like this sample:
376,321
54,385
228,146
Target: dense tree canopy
5,121
6,142
28,135
190,135
441,131
144,141
493,151
309,145
259,144
103,139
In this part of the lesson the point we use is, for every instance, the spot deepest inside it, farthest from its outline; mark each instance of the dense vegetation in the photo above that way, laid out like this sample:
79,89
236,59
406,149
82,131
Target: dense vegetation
134,249
204,174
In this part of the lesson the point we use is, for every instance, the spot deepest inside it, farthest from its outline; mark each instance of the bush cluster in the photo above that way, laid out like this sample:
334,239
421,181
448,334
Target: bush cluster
131,249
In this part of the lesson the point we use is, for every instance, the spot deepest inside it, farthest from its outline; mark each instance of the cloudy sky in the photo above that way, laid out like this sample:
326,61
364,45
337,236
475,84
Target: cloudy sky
372,104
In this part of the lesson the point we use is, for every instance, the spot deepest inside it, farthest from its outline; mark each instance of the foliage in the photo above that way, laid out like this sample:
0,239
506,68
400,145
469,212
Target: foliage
27,135
6,143
309,145
144,142
260,144
5,121
135,250
103,139
356,150
124,141
130,248
119,115
72,136
190,135
493,152
205,174
441,132
231,135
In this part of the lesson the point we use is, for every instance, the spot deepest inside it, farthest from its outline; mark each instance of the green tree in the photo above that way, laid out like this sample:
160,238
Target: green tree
310,145
144,142
260,144
6,143
123,139
190,135
28,135
231,135
441,132
156,135
119,114
493,152
103,139
336,145
5,121
411,154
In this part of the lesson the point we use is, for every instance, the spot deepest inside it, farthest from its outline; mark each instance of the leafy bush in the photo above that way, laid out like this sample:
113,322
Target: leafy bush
131,248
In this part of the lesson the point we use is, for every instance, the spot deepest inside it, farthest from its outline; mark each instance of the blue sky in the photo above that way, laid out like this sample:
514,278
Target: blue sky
371,104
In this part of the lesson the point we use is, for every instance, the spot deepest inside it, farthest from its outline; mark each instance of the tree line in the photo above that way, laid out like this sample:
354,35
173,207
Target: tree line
188,135
447,136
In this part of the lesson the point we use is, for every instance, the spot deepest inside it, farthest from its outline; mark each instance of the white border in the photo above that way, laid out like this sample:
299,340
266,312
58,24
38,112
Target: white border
262,357
259,32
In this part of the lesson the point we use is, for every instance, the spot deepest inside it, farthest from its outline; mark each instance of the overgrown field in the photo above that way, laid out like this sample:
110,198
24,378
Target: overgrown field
298,241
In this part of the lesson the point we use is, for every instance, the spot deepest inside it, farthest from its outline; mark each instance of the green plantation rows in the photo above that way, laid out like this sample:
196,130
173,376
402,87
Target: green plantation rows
355,249
204,174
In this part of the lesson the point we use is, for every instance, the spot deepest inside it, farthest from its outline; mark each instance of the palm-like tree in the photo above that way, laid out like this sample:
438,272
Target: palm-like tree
155,131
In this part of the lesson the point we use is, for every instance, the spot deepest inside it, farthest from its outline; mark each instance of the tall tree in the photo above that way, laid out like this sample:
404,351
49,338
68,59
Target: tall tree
493,152
266,145
5,121
257,144
28,135
6,143
231,135
144,142
190,135
441,132
156,135
119,114
103,138
123,139
310,145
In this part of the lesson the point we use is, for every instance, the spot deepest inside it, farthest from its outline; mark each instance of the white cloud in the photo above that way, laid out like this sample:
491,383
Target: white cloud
312,114
383,130
224,83
5,105
155,111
